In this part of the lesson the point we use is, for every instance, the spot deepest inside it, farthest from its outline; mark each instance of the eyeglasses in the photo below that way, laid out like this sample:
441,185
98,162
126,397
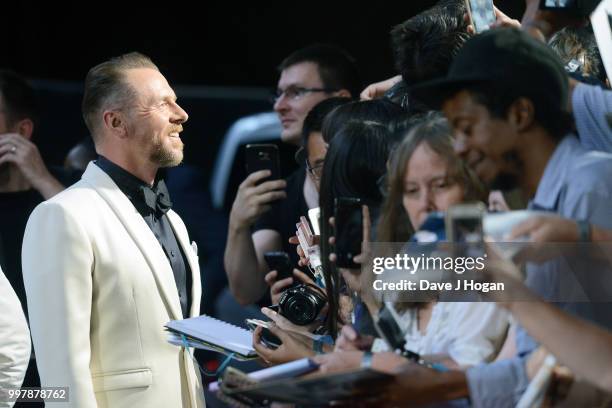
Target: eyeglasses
316,171
296,92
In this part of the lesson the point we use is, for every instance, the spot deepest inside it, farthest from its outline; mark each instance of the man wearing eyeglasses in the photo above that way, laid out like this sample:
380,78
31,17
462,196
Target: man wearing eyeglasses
264,213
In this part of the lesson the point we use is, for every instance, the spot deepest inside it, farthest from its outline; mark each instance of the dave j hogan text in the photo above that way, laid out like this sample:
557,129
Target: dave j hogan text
424,284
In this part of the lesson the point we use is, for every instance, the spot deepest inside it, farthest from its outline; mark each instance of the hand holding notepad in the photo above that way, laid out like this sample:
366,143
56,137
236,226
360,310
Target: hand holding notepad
213,334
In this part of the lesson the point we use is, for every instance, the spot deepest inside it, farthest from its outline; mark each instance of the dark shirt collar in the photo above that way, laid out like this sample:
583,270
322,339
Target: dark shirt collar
145,198
128,183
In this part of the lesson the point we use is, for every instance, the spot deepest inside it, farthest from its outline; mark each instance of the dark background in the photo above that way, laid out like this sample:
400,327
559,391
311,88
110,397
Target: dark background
199,46
224,43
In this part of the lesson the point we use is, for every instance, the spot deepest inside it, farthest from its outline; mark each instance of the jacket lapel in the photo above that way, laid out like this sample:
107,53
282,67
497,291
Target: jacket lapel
142,235
183,239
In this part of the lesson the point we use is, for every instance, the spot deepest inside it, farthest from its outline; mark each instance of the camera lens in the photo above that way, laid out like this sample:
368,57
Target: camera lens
301,308
301,305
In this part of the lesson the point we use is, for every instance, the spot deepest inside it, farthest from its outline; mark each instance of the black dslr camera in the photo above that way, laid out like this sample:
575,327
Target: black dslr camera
301,304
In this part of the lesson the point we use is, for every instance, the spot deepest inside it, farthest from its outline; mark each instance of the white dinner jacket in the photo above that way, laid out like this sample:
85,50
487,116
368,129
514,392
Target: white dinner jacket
15,343
100,290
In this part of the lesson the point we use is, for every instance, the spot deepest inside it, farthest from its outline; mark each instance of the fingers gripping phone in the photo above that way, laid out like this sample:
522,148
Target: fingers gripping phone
348,231
263,157
482,14
311,250
279,261
270,340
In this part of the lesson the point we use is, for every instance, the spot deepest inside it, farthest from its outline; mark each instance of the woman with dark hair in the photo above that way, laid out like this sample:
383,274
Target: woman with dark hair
381,111
355,162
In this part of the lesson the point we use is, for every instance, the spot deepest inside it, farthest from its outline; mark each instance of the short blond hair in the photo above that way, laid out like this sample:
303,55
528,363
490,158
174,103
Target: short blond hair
105,86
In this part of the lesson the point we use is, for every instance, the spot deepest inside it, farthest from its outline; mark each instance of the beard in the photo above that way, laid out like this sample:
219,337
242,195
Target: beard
167,153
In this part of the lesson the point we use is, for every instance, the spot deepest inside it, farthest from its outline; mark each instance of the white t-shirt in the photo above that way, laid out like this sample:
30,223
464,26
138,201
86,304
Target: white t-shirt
469,332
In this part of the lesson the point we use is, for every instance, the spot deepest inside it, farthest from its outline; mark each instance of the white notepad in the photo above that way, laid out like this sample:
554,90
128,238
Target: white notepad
216,332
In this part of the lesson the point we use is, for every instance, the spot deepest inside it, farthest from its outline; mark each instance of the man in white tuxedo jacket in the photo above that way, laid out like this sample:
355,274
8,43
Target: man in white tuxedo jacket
15,343
107,263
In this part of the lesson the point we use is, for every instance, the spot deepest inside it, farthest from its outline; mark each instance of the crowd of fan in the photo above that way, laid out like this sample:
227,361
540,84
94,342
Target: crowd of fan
517,117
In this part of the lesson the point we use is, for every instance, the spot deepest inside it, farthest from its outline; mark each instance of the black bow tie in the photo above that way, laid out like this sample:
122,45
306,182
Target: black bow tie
157,198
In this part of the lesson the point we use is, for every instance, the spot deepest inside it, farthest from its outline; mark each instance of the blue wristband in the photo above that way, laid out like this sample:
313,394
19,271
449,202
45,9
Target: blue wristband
366,360
584,231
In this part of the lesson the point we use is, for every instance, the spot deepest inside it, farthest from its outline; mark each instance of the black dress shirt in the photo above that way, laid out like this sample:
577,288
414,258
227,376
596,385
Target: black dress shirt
146,200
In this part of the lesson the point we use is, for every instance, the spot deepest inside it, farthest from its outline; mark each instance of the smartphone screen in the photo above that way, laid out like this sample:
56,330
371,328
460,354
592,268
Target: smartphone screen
263,157
270,340
482,14
557,4
464,228
279,261
348,231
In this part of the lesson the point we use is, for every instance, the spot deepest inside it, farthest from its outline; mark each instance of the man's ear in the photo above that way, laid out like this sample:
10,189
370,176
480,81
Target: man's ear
344,93
521,114
25,127
115,123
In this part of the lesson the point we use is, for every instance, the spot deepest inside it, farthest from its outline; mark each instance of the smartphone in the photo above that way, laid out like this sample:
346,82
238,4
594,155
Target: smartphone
464,222
482,14
558,5
263,157
348,231
305,235
279,261
313,215
464,228
267,338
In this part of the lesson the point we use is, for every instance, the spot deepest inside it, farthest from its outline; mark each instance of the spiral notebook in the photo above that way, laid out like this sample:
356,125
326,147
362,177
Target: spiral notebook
216,333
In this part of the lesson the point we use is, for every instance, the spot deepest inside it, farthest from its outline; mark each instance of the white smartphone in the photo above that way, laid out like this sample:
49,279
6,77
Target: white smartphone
314,214
464,229
482,14
464,223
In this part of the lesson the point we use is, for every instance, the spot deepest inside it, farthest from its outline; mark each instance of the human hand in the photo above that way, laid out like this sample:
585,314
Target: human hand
22,153
497,202
378,89
339,361
304,260
350,340
497,269
349,360
252,199
286,325
542,24
544,234
561,378
501,20
278,287
546,229
293,346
